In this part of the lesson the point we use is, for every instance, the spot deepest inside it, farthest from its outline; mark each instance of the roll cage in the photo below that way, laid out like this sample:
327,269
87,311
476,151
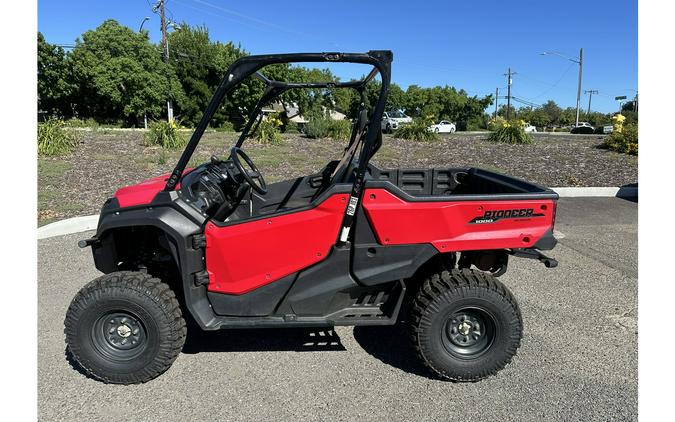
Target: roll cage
366,130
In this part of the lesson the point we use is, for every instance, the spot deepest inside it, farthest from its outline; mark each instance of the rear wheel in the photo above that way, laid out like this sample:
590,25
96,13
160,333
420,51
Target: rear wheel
465,325
125,328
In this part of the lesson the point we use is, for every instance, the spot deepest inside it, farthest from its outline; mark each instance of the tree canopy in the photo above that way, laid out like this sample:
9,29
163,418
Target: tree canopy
116,73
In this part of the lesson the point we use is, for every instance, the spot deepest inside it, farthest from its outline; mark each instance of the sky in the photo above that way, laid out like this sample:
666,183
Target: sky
468,44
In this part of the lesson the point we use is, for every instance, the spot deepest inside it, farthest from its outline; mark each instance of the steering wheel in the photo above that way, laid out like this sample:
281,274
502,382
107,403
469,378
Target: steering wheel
249,175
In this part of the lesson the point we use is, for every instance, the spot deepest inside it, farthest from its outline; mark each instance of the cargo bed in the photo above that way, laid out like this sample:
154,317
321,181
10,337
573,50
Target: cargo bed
455,184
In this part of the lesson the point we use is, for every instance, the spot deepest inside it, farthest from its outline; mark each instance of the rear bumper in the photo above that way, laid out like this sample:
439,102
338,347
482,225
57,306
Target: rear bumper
547,241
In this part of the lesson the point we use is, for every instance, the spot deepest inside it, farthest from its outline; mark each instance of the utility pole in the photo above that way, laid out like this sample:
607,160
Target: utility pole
635,102
496,102
508,95
590,92
581,65
165,45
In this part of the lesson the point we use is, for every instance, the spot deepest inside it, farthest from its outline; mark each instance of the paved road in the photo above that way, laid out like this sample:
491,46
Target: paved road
578,359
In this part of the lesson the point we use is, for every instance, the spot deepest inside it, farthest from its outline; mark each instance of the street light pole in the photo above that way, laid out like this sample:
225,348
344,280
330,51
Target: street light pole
145,19
145,113
580,62
581,65
165,42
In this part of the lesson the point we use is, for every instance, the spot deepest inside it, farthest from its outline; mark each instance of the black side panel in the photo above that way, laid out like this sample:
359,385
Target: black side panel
316,290
259,302
374,264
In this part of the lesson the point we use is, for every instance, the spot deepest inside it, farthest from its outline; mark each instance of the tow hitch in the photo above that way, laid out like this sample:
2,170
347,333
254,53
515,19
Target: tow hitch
534,254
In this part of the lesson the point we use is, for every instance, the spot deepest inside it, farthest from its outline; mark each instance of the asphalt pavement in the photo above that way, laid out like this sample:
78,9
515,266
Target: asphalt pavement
577,361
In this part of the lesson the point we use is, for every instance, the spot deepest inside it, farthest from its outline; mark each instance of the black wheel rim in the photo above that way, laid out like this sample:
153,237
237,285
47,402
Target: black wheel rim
119,335
469,332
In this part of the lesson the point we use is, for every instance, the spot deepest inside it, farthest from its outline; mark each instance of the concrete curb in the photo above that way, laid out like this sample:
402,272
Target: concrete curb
579,192
89,222
68,226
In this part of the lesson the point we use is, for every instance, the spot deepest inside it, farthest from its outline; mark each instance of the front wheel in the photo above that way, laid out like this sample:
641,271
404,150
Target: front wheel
125,328
465,325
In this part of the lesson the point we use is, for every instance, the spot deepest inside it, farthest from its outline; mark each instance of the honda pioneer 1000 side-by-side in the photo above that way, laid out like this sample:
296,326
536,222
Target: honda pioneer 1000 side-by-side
350,245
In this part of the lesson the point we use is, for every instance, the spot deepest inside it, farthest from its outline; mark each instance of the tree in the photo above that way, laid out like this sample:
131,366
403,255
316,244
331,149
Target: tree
627,110
199,64
552,111
54,79
120,74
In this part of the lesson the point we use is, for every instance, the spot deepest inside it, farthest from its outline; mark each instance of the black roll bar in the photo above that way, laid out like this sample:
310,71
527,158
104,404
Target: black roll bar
250,65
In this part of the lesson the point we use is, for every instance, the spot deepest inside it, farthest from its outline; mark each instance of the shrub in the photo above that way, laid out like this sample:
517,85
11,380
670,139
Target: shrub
317,127
291,127
323,127
625,141
267,132
55,138
226,126
511,133
339,129
165,134
417,130
495,124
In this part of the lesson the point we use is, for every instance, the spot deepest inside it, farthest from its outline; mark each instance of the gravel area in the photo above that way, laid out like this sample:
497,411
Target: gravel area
108,159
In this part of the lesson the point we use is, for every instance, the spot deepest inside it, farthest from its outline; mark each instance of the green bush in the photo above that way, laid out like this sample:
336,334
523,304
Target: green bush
267,132
323,127
55,138
165,134
291,127
226,126
339,129
625,141
511,133
495,124
417,130
317,127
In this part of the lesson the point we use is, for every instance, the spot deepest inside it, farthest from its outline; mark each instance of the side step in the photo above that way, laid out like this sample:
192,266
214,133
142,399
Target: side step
369,309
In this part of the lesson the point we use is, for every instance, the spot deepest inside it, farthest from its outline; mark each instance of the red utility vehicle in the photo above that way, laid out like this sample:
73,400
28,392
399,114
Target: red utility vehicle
350,245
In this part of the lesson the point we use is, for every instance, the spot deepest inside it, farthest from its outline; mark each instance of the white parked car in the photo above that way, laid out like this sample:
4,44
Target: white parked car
582,128
530,129
443,126
393,119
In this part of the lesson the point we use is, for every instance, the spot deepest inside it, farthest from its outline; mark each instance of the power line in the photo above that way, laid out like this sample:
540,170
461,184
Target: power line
552,86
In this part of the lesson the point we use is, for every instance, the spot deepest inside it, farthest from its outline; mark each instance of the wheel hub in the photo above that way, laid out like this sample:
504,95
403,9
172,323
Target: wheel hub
468,332
121,332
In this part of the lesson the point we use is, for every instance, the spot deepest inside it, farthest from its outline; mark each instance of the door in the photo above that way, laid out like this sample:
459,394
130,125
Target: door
242,257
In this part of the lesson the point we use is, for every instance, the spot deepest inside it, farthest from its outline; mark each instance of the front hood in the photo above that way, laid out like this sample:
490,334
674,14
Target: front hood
141,193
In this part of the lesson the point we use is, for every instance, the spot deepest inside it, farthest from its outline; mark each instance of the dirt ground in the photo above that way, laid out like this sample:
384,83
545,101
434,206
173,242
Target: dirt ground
108,159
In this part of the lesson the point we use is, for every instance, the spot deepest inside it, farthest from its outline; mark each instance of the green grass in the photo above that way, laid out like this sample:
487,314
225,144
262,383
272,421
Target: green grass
45,196
51,169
